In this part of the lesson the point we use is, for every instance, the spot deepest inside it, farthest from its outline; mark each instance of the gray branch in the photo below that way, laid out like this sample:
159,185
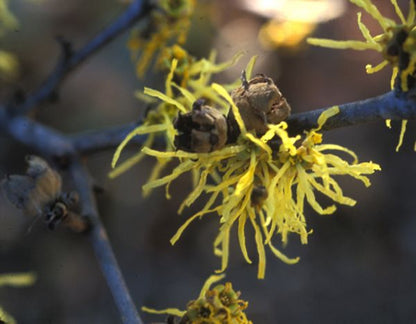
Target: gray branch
101,245
387,106
70,59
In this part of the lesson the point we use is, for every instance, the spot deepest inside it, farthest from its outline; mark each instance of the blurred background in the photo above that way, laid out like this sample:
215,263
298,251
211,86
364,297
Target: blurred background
360,263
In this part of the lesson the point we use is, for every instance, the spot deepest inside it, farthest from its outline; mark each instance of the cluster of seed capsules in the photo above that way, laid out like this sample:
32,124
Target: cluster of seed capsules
205,129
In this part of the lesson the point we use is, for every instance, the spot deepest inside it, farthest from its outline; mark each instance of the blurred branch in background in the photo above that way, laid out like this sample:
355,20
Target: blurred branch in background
70,59
101,244
108,138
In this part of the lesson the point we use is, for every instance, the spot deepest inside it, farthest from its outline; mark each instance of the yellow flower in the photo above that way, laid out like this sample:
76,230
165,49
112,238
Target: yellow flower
185,61
255,182
17,279
9,65
8,62
170,22
397,45
7,20
287,33
219,305
159,121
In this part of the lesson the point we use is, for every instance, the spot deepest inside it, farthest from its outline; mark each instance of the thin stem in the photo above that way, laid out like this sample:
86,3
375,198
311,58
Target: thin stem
36,136
89,142
136,11
51,143
386,106
102,246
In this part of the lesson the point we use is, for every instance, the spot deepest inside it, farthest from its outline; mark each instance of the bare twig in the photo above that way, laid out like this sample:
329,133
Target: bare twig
102,246
93,141
38,137
137,10
387,106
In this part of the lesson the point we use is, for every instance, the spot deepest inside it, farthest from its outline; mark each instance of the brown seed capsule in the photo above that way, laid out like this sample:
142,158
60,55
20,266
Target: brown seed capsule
260,103
202,130
38,193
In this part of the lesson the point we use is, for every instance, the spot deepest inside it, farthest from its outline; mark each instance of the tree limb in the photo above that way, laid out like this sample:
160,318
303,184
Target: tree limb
92,141
40,138
102,246
387,106
70,60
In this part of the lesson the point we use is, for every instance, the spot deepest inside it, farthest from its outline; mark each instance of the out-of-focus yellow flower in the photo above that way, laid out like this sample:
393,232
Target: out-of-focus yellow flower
17,279
7,20
8,62
14,280
9,65
185,61
397,45
291,34
219,305
255,182
6,318
159,121
169,22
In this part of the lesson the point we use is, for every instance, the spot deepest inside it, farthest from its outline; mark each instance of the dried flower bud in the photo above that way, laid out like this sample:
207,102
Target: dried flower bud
260,103
202,130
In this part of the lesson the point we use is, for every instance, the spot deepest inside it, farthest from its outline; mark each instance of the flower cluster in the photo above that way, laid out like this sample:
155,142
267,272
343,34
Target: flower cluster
169,22
7,19
159,121
219,305
397,45
262,176
263,181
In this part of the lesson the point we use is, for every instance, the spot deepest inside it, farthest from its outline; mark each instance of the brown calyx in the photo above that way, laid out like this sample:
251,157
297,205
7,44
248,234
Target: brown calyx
202,130
260,103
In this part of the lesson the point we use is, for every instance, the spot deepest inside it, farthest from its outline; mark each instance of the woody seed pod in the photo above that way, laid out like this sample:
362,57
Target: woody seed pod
260,103
202,130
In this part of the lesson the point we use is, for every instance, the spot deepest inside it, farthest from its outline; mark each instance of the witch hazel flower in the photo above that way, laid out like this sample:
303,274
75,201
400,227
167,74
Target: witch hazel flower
259,175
